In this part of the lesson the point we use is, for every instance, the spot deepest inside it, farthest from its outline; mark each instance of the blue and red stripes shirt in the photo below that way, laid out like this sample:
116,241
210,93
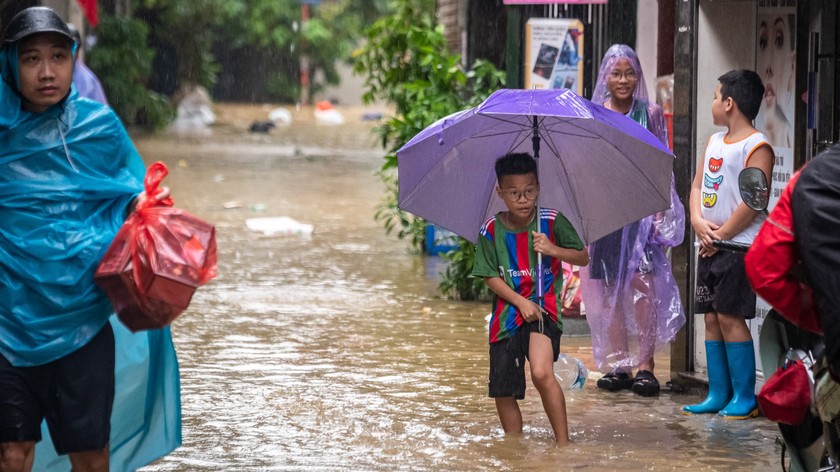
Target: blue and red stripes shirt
508,254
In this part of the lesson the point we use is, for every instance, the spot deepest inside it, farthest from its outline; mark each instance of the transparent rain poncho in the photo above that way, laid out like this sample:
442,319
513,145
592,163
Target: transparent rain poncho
631,299
67,176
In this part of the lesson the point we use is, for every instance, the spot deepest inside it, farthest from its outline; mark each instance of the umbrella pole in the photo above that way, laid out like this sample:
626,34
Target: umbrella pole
535,141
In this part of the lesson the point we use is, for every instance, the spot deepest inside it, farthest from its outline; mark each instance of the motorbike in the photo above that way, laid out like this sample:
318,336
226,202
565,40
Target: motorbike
813,444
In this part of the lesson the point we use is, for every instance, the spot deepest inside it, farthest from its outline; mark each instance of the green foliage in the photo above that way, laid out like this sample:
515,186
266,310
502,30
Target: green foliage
328,37
186,26
122,61
457,281
406,62
189,30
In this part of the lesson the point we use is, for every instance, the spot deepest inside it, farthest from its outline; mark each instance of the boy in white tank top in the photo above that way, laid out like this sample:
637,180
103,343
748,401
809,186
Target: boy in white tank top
723,294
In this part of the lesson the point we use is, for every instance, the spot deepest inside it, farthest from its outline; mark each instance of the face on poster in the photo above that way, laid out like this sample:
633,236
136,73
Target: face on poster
553,54
776,64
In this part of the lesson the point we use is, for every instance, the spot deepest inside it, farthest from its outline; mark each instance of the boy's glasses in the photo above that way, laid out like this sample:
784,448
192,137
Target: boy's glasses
529,193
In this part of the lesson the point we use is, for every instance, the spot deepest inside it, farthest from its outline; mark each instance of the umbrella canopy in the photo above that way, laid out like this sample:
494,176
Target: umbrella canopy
599,168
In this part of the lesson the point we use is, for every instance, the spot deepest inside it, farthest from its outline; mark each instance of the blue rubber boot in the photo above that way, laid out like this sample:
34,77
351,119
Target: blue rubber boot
743,405
720,385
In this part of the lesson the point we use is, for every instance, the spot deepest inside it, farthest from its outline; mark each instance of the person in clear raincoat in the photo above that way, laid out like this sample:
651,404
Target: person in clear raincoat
631,300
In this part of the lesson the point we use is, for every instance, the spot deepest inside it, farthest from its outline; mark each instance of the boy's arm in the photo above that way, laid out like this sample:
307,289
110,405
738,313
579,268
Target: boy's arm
544,246
702,227
528,309
743,216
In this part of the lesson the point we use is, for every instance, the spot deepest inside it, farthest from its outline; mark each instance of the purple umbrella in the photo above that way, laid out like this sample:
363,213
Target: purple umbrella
599,168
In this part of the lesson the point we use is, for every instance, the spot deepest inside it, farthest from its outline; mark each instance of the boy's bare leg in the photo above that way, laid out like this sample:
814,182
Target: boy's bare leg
541,359
713,328
17,456
510,415
734,328
90,461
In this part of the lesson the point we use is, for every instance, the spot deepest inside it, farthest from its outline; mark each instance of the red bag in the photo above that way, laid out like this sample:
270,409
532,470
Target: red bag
157,260
786,396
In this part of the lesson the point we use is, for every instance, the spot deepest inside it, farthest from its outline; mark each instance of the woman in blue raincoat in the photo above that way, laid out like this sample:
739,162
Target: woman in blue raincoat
631,299
69,175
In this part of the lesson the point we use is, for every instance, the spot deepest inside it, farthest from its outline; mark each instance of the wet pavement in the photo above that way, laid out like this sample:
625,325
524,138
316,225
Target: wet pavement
334,351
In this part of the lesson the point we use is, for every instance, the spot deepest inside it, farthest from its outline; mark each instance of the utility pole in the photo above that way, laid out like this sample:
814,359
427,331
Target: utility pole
305,15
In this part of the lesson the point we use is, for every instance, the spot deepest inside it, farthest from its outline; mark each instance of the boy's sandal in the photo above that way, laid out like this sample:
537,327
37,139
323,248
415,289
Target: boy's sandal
645,384
615,381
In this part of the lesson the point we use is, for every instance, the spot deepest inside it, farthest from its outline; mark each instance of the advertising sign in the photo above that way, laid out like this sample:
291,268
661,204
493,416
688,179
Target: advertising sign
553,53
775,62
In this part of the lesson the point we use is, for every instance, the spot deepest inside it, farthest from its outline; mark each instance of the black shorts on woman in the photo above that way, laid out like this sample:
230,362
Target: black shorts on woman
74,394
507,358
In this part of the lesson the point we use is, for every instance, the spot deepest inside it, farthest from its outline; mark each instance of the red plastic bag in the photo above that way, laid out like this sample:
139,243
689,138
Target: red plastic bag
157,260
786,396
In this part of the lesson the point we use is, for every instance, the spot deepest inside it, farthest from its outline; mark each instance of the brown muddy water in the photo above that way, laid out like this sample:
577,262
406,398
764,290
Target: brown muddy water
334,352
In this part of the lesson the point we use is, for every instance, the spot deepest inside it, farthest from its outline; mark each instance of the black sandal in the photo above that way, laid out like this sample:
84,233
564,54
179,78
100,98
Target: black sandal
645,384
615,381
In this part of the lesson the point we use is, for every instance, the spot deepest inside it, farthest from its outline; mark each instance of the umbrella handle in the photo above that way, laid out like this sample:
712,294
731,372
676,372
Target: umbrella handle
539,281
535,142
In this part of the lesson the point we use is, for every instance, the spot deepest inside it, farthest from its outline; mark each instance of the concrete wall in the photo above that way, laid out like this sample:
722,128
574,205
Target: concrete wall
726,41
647,40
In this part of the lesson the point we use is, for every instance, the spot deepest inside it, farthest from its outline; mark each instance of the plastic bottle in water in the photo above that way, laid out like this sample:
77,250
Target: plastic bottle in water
570,372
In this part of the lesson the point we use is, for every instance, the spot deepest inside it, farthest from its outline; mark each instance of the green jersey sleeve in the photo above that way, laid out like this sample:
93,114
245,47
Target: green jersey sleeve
486,260
565,235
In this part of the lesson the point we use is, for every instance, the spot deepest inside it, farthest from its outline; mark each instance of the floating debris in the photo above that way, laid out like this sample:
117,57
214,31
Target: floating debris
273,225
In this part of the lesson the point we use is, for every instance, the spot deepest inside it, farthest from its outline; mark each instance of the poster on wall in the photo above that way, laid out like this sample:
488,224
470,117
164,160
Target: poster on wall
775,62
553,53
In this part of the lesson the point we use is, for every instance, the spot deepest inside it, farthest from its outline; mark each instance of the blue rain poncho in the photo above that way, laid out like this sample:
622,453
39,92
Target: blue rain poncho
67,177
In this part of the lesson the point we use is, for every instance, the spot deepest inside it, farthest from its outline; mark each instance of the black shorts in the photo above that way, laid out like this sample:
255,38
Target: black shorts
723,287
74,394
507,358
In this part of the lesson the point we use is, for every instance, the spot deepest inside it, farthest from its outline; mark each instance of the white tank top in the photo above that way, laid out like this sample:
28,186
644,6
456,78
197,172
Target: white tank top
719,194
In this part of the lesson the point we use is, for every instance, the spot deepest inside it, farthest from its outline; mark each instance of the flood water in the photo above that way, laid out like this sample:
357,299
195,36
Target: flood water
334,352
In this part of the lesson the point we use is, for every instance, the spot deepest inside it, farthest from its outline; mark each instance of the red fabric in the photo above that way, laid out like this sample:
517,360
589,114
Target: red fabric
91,11
770,260
786,396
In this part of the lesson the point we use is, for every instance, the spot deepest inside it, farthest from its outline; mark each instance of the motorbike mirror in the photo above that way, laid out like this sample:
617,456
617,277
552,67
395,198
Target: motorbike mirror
754,189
